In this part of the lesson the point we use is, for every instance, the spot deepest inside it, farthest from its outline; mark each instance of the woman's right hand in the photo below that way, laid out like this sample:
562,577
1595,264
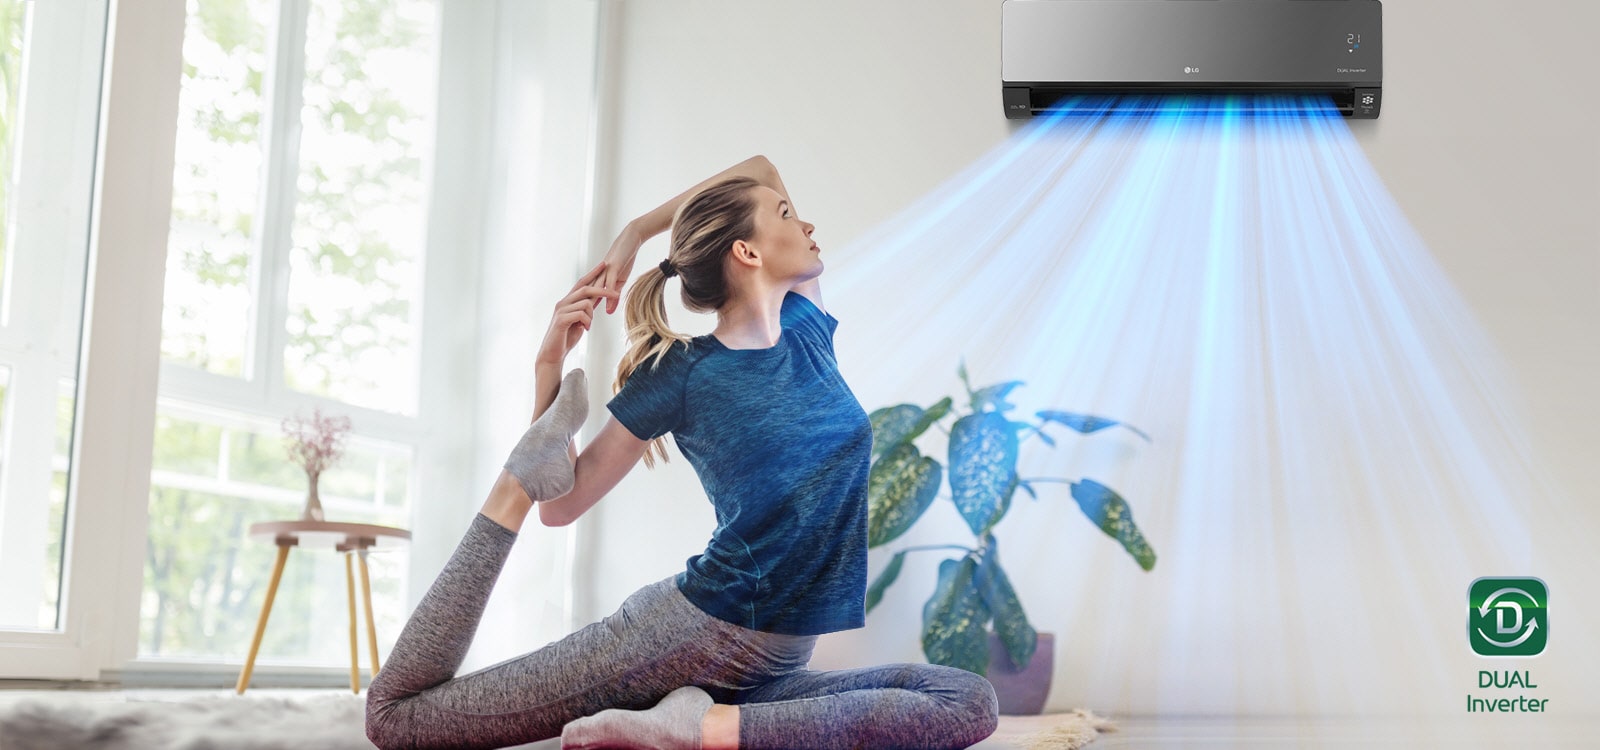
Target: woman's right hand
619,262
574,314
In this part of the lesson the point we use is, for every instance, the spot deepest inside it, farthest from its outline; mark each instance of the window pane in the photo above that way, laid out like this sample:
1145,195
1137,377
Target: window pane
55,535
13,14
355,264
50,65
206,320
205,579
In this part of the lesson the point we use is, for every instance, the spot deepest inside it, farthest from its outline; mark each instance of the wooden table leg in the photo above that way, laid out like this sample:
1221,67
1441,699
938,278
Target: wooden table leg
366,599
261,622
355,666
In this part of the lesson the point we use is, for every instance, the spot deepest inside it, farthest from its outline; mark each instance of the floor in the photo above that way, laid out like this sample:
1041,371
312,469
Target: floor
1545,732
1217,733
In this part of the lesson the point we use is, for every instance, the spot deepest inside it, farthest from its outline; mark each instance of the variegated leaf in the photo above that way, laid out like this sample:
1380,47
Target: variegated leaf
983,465
900,486
1111,513
890,425
893,425
1087,423
1010,622
955,621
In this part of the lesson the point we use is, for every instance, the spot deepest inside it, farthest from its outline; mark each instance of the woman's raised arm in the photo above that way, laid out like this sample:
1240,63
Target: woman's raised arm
659,219
619,259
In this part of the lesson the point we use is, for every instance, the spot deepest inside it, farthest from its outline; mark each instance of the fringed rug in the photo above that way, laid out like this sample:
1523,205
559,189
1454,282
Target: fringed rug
333,722
1070,731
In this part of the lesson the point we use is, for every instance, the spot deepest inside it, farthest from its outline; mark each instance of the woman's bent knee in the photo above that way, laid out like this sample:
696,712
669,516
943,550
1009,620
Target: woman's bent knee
986,710
384,726
380,735
967,708
974,700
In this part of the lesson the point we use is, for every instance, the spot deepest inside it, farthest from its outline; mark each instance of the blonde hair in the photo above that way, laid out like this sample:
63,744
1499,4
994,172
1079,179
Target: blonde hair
703,231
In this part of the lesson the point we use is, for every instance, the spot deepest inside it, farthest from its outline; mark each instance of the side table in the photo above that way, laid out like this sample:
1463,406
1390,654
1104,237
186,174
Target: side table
350,539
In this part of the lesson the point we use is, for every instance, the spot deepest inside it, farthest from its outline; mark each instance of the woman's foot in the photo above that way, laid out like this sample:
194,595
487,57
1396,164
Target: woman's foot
540,462
674,724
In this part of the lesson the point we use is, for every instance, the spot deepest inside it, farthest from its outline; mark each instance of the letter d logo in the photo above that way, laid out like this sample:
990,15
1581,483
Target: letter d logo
1508,616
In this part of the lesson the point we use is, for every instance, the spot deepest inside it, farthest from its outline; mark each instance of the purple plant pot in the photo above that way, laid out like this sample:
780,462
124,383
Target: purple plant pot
1022,692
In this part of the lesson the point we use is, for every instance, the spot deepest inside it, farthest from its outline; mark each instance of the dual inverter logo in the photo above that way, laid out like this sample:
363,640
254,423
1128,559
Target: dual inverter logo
1508,616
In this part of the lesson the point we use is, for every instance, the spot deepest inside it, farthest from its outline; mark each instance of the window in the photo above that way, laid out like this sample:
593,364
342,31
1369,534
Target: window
294,273
355,271
207,316
50,55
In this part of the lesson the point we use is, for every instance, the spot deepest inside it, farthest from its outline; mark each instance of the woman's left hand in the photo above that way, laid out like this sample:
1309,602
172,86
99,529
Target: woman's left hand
619,263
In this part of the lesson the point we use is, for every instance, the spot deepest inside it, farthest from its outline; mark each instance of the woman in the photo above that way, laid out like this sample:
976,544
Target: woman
715,656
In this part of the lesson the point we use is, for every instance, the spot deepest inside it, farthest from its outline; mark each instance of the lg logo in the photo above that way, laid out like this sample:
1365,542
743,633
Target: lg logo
1188,69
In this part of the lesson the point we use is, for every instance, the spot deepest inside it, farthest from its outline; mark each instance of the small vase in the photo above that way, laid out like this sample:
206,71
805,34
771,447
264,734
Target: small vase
313,509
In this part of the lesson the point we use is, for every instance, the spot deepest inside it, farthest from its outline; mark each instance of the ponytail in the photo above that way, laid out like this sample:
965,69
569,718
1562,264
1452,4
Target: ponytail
649,338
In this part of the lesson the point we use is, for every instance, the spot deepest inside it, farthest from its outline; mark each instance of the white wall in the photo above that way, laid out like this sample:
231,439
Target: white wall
1486,141
538,83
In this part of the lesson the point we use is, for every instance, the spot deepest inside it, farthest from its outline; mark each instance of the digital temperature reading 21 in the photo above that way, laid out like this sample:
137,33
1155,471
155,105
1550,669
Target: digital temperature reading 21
1354,40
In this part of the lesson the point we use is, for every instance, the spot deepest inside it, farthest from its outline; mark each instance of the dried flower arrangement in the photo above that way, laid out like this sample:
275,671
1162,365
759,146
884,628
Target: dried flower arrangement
315,444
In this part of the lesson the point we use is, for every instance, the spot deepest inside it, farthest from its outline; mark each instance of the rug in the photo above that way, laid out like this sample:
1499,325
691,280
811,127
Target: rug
1072,731
333,722
323,722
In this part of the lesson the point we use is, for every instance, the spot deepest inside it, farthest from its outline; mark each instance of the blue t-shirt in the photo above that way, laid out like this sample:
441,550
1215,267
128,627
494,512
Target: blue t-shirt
782,448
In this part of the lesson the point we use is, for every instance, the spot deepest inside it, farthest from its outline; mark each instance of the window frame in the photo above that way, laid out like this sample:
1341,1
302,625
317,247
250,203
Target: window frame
116,353
121,372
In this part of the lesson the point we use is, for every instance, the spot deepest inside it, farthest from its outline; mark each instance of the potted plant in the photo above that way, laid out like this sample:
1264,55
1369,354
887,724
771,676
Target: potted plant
973,590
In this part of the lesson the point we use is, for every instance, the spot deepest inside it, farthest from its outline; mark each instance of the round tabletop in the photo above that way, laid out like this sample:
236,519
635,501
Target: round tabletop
334,534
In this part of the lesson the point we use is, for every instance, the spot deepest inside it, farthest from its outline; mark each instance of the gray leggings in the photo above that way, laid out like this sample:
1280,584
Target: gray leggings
655,643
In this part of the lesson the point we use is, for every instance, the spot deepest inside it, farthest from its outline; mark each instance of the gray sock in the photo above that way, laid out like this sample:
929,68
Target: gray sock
540,462
674,724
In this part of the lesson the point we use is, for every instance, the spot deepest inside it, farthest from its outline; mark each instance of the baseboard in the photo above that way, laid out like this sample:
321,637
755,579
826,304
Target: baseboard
36,684
194,674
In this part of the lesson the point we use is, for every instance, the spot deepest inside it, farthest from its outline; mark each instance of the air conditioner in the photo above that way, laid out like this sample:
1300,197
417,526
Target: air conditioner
1055,50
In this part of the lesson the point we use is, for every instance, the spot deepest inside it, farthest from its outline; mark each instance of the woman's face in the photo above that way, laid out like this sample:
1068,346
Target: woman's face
783,241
